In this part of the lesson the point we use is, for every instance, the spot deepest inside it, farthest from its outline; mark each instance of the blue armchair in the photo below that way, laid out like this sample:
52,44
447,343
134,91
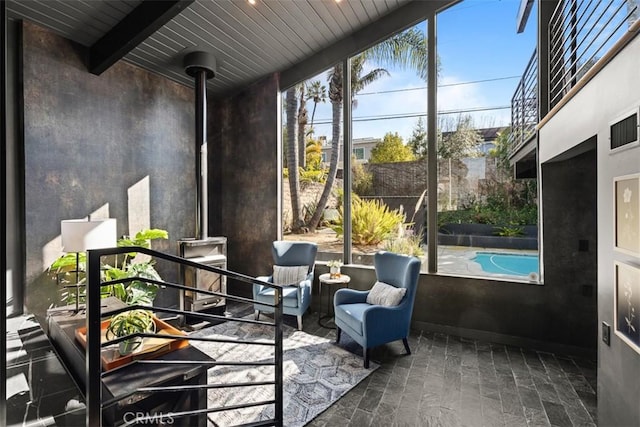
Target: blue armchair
297,297
372,325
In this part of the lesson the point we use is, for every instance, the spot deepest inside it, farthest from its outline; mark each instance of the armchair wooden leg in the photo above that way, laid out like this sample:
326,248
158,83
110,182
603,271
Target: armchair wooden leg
256,315
406,345
338,335
300,322
367,353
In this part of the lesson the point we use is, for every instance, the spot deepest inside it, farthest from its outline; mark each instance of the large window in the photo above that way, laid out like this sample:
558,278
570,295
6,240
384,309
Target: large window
478,68
487,220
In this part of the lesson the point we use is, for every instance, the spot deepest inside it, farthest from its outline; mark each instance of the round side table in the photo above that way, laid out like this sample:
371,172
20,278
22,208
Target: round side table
326,281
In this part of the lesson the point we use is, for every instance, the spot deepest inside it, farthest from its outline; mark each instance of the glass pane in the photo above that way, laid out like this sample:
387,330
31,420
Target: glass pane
312,147
388,167
487,219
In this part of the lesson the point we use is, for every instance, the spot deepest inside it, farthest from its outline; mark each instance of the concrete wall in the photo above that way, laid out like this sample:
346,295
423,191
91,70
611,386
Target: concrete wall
613,92
244,172
117,145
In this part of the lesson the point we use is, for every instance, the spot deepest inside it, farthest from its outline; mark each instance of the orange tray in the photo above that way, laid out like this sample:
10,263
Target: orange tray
151,347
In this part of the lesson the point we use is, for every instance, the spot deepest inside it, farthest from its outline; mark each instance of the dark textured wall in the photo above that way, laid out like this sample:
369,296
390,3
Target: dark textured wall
243,177
89,140
570,244
14,172
512,313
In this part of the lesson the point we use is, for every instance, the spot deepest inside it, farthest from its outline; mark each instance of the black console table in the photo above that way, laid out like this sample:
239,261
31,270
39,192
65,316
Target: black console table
62,325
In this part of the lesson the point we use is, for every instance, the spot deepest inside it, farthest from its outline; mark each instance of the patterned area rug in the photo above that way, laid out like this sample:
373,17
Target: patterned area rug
316,373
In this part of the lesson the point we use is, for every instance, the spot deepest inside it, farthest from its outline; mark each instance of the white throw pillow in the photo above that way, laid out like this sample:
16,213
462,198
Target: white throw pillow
386,295
286,275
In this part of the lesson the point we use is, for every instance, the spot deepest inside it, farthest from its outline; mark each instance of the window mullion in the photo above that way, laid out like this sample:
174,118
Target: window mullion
346,160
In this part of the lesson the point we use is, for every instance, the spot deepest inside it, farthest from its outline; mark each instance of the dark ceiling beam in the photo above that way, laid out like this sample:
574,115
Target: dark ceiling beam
143,21
398,20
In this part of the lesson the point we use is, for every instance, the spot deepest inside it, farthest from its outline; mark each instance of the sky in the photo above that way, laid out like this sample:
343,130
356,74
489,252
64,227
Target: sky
482,59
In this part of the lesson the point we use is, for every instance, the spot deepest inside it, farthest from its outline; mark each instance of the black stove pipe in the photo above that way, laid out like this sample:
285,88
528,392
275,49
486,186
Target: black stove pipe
201,66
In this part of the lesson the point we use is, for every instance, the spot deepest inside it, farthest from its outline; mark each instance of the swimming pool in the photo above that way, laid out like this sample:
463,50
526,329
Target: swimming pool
507,263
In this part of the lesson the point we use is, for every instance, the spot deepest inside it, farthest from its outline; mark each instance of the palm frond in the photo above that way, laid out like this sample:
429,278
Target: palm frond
407,50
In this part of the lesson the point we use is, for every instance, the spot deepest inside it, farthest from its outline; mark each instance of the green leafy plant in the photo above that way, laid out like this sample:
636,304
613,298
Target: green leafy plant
136,292
509,231
407,244
312,176
371,221
128,323
362,183
334,263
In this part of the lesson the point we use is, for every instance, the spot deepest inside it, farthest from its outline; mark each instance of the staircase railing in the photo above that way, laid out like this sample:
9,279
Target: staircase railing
94,373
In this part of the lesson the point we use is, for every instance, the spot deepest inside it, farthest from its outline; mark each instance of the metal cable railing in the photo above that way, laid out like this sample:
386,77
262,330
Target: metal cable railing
524,106
580,33
95,375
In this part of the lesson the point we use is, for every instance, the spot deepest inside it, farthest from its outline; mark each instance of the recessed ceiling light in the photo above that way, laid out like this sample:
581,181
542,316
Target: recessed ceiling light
252,2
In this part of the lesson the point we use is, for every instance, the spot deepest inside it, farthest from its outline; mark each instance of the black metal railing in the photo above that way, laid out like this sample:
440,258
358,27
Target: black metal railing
580,33
95,374
524,106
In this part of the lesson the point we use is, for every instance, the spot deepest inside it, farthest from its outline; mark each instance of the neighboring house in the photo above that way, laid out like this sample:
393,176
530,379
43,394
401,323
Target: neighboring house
361,149
488,138
362,146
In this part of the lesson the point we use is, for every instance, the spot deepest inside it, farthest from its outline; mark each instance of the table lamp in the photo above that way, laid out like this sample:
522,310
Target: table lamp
80,235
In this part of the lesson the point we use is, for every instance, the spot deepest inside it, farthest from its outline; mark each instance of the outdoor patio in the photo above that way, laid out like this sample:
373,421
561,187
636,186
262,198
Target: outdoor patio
452,260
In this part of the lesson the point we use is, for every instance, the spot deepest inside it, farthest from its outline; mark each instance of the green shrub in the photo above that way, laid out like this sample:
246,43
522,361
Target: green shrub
371,221
509,231
362,183
483,214
409,244
313,175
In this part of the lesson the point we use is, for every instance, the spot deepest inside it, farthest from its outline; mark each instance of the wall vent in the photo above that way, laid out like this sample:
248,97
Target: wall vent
624,132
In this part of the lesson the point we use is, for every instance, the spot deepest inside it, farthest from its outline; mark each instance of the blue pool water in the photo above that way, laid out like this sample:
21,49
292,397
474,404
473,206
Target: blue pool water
503,263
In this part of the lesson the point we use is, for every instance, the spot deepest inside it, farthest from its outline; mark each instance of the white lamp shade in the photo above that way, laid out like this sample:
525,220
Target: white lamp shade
79,235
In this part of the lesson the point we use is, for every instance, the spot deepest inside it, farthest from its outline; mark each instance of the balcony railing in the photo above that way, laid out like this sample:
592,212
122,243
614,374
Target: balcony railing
580,33
524,106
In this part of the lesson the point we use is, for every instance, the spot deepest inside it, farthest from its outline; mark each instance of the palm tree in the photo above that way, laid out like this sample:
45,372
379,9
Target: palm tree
292,159
407,49
318,93
302,123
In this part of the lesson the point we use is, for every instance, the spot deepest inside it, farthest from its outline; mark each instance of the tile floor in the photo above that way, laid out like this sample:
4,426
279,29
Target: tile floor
40,392
452,381
448,381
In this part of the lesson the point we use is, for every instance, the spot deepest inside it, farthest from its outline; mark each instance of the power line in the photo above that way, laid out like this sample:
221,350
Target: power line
411,115
443,85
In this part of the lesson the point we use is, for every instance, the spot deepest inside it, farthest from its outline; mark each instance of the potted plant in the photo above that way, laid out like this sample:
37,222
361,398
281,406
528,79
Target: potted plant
128,323
134,265
334,268
129,265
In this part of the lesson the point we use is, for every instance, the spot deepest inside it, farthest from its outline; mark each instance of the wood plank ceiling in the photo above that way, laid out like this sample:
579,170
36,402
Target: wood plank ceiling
248,41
